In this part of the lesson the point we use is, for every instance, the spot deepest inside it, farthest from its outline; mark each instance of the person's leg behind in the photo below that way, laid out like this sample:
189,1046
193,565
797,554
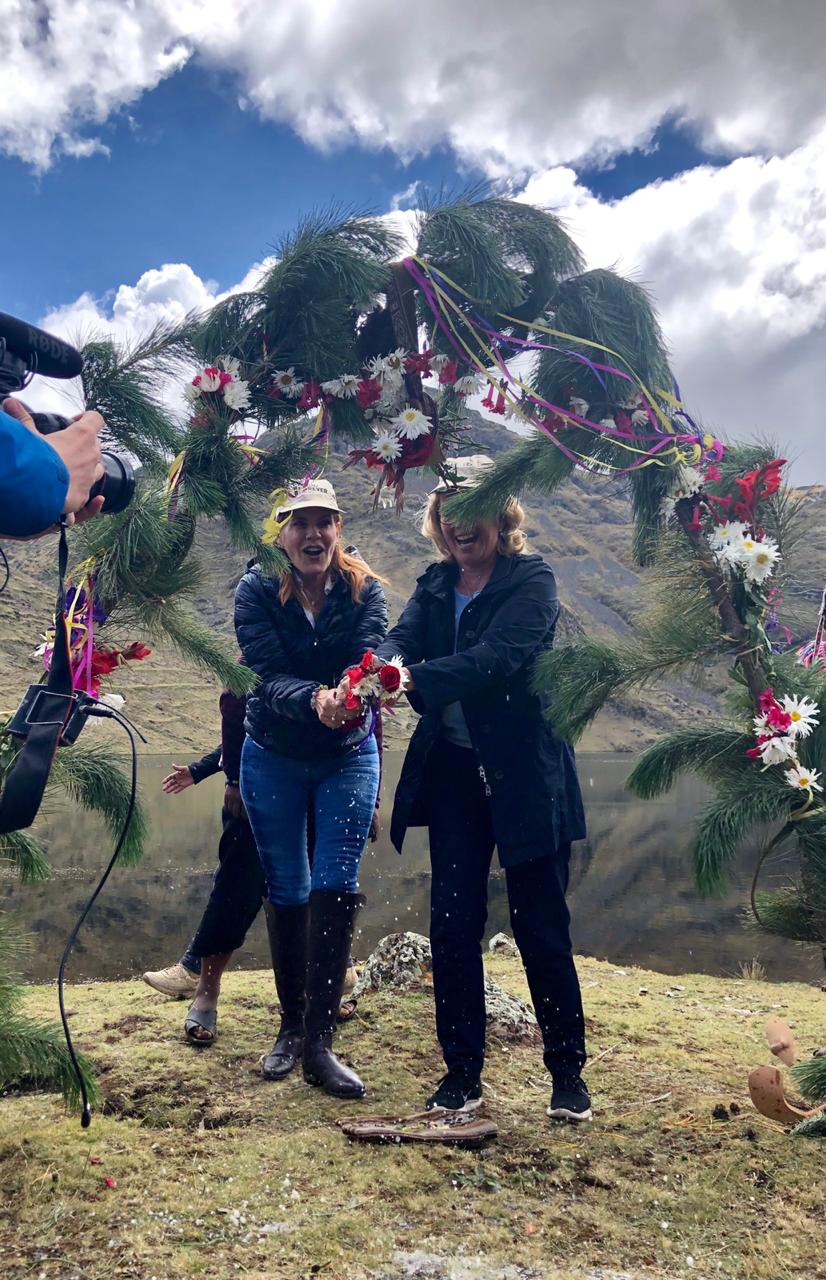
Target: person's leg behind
461,847
541,928
344,799
234,902
276,791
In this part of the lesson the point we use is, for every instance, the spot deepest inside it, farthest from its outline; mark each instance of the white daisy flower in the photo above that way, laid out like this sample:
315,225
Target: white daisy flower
393,368
804,715
579,406
411,423
438,362
349,385
803,779
778,750
387,446
333,387
288,384
469,385
759,558
375,367
639,418
237,395
761,725
230,365
114,700
727,533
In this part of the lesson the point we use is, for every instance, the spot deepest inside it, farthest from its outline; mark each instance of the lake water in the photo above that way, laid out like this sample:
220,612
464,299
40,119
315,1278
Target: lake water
632,895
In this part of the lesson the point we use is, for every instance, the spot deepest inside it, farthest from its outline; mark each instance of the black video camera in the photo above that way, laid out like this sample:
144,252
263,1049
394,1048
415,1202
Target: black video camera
25,351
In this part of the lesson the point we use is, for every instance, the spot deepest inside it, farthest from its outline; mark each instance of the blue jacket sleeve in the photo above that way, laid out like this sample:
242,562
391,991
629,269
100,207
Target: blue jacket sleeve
34,481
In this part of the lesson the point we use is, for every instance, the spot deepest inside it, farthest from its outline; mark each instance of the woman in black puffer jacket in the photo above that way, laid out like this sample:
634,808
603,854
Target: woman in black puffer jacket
299,633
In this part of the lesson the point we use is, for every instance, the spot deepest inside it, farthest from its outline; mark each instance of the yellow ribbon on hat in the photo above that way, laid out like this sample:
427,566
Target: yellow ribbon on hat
272,526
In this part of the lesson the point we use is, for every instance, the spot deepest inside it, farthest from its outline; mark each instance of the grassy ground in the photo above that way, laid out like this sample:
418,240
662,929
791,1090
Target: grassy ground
197,1168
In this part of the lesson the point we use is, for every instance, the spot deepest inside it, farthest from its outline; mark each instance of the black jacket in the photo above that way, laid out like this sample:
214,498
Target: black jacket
292,659
535,799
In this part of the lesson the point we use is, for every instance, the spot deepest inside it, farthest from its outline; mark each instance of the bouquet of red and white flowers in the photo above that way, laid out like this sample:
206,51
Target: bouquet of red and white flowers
373,683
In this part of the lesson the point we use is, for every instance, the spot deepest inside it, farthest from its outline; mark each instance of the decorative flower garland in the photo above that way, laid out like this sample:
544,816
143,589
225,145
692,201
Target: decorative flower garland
778,729
90,660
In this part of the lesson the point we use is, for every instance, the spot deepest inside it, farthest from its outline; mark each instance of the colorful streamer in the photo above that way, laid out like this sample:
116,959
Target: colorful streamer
663,444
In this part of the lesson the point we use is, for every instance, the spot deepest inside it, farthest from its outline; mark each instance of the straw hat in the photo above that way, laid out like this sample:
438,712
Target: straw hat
315,493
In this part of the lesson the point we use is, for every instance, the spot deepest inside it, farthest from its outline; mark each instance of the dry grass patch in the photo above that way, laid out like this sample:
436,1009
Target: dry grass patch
217,1173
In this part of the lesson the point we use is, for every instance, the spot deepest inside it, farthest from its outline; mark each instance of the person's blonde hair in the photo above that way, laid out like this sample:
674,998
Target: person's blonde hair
352,568
511,538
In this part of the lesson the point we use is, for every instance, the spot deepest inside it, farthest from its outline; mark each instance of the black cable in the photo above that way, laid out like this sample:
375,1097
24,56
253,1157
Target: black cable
7,569
101,709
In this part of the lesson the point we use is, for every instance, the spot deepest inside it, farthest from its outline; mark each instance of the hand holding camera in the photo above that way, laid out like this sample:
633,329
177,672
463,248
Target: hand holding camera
79,447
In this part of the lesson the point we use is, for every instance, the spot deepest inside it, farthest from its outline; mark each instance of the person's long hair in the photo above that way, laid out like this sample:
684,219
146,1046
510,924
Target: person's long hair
352,568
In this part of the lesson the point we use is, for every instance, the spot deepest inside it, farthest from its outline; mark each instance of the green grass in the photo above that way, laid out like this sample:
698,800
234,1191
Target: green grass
220,1174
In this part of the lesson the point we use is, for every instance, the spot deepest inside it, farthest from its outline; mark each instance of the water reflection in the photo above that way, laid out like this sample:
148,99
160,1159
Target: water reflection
632,894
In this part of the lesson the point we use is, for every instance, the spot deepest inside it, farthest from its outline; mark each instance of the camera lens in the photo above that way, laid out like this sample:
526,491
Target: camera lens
117,484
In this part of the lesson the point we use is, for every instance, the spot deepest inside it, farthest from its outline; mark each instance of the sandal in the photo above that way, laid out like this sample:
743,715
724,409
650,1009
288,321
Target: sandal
204,1020
346,1009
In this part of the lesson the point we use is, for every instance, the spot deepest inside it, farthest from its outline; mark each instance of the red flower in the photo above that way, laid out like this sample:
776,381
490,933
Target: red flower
274,391
354,675
224,378
415,453
104,662
110,1183
368,392
366,661
499,407
310,396
693,525
778,719
768,700
390,678
713,474
449,374
487,403
352,701
420,364
136,651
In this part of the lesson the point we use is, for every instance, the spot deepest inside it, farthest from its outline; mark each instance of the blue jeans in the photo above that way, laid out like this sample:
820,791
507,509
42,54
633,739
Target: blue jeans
277,792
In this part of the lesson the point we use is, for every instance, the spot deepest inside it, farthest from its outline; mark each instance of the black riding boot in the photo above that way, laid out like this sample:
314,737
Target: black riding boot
287,929
332,915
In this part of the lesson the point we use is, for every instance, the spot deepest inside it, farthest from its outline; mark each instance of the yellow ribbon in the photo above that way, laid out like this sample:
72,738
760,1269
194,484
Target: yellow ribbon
272,526
174,474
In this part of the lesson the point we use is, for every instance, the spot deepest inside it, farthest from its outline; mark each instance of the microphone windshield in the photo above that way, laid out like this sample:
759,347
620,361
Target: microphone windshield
41,351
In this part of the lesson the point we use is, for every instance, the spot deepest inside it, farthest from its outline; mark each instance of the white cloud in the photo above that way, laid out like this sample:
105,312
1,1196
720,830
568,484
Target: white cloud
736,258
513,91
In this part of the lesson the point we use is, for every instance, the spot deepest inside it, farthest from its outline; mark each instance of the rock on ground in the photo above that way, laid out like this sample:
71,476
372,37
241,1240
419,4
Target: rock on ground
502,943
404,959
420,1265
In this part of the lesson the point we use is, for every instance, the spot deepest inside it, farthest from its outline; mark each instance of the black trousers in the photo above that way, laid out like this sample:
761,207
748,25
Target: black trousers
461,848
237,890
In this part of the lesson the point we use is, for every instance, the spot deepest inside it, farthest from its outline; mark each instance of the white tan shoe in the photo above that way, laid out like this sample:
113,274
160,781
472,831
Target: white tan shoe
176,981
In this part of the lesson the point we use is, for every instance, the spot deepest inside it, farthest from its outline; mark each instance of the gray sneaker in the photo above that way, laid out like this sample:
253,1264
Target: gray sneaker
176,981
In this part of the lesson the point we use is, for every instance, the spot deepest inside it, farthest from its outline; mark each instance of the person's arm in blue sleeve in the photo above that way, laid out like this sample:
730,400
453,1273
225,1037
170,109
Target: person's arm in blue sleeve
34,481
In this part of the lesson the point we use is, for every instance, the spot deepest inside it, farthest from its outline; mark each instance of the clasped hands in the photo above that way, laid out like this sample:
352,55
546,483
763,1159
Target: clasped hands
330,703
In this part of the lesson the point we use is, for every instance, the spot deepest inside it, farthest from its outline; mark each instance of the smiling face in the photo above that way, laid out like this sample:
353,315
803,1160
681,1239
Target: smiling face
473,547
309,539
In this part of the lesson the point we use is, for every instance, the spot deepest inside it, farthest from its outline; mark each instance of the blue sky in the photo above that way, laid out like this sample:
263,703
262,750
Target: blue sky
191,177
